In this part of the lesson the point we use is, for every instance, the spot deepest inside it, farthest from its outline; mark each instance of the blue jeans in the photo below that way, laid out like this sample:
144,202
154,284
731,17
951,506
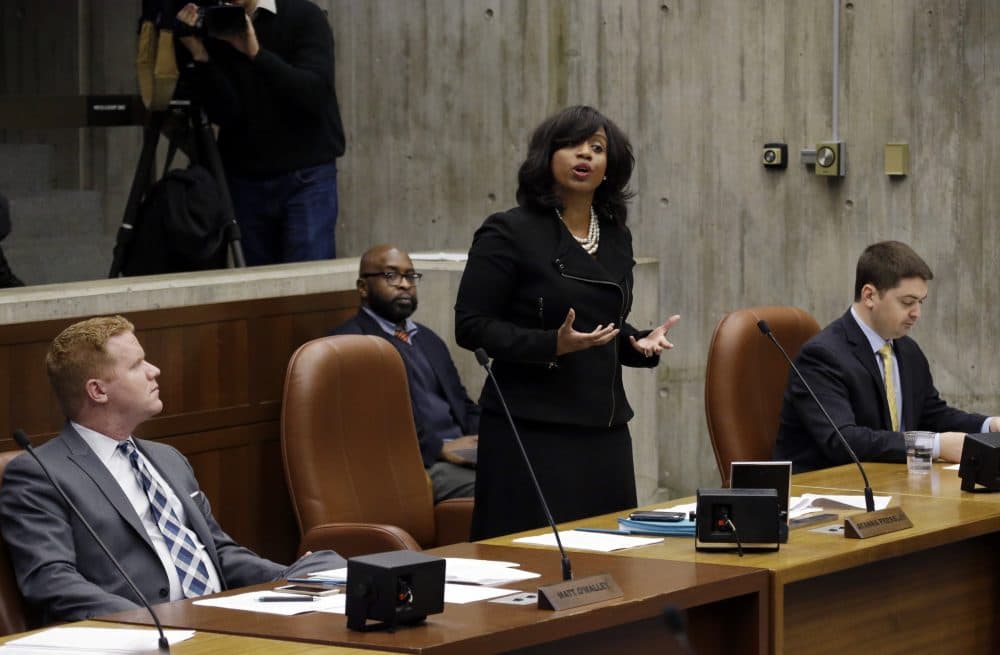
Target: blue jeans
289,217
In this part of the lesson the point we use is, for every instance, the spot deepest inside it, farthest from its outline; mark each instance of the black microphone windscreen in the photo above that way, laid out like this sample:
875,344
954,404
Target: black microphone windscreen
482,357
21,439
763,327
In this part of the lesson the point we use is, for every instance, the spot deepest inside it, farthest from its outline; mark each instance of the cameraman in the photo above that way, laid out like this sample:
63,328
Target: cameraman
269,86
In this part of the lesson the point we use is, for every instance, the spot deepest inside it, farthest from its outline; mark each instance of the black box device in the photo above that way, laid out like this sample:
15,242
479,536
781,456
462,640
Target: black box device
754,513
395,588
980,462
766,475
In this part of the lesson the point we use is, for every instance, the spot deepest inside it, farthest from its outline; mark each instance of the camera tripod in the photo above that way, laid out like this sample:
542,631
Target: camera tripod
186,127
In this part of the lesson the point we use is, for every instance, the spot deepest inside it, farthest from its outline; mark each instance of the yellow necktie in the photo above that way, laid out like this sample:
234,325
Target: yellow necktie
890,391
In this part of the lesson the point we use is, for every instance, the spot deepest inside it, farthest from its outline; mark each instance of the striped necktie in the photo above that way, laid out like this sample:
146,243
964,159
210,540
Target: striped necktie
402,335
890,390
188,559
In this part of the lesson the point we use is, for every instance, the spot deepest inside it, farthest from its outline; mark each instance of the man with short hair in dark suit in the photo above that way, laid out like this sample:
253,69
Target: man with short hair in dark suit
849,363
446,419
141,497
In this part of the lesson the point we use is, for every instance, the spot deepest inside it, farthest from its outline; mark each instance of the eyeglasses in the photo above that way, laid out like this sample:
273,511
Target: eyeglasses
394,278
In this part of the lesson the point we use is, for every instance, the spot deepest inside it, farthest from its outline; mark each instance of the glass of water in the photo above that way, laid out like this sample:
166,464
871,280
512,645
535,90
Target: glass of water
919,447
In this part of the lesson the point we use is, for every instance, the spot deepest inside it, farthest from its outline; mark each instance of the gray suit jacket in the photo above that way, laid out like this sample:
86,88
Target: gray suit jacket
61,570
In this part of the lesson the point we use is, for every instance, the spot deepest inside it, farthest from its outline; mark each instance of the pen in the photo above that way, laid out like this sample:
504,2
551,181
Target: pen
329,581
285,599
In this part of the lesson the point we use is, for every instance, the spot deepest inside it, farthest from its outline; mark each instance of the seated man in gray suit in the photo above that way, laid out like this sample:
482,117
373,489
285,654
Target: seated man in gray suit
446,419
140,496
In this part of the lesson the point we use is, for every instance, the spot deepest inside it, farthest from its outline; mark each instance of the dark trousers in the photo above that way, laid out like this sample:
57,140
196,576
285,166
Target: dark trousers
289,217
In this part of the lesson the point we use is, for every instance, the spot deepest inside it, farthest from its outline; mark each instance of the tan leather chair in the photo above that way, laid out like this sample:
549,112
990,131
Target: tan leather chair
352,461
745,381
12,613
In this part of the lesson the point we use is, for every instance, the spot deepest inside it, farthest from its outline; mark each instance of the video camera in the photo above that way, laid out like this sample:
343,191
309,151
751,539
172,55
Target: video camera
216,20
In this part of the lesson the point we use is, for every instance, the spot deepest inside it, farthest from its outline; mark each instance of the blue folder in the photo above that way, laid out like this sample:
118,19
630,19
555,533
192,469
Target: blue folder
665,528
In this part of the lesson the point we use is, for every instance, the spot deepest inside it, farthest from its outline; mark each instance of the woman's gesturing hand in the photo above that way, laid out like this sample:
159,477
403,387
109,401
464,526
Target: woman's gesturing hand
569,340
656,341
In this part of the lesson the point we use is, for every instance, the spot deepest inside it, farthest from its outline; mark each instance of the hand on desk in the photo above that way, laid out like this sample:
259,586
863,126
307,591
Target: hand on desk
951,446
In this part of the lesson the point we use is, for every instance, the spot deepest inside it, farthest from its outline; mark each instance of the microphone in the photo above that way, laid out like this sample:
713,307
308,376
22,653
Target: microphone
484,361
869,495
677,624
22,440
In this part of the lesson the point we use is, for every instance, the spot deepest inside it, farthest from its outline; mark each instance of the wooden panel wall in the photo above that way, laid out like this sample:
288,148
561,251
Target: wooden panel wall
223,370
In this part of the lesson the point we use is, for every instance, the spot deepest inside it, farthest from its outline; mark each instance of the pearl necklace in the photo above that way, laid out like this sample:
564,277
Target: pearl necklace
590,242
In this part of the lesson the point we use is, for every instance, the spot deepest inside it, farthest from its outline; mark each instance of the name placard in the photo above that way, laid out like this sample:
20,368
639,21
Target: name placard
575,593
870,524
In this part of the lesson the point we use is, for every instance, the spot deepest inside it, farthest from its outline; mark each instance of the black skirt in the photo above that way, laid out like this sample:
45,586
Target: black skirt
583,471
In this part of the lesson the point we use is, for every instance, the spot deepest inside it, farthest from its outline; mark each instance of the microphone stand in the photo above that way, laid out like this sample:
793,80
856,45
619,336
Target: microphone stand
864,525
22,440
592,589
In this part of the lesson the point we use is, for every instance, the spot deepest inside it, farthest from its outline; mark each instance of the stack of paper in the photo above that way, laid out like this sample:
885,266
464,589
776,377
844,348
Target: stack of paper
250,601
581,540
462,570
466,580
96,641
805,504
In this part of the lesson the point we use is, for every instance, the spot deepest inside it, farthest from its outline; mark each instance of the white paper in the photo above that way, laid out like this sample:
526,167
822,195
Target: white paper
339,575
953,467
248,603
600,541
100,641
457,594
461,561
484,572
799,506
460,594
461,569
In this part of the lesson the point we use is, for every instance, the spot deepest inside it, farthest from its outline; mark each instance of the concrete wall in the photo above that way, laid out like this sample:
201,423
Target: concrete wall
439,97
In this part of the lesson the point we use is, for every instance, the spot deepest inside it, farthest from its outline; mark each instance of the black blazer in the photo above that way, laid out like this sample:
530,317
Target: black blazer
525,271
841,368
463,408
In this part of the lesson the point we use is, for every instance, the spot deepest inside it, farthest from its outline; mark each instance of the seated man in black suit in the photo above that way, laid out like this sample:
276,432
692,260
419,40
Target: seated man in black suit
447,420
141,497
847,365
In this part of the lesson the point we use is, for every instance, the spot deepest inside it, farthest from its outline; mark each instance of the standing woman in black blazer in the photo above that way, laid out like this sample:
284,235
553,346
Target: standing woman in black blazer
546,291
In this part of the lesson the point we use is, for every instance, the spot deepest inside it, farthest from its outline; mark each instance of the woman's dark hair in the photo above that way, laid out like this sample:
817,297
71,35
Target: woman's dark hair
535,184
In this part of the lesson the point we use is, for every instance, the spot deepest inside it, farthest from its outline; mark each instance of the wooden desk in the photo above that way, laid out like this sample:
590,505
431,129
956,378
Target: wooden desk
718,599
929,589
212,643
893,479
